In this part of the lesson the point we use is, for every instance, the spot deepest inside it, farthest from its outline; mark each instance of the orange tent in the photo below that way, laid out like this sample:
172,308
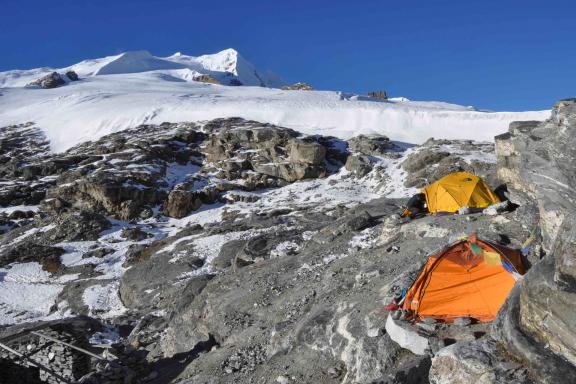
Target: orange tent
470,278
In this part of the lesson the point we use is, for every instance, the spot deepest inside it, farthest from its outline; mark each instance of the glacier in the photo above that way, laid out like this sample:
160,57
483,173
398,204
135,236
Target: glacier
133,88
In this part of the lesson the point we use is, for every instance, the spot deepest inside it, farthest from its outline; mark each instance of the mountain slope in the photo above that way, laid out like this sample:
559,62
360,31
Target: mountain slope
108,103
123,91
135,62
227,66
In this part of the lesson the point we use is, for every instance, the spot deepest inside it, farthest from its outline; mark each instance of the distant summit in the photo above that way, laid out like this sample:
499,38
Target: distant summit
136,62
228,67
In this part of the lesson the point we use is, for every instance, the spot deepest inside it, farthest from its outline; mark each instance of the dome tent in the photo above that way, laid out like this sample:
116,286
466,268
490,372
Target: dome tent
458,190
469,278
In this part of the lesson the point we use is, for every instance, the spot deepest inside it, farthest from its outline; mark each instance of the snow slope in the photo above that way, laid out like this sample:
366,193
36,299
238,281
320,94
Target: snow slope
225,66
126,90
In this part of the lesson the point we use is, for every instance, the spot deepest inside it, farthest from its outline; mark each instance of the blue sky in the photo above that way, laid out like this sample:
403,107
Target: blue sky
501,55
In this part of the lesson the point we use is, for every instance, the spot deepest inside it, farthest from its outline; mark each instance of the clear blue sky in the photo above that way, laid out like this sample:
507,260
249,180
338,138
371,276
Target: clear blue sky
502,55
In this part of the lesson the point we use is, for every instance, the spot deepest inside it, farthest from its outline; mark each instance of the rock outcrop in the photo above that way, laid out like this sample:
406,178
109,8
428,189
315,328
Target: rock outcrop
479,362
176,166
537,324
206,79
533,338
298,87
236,251
378,95
373,145
437,158
54,80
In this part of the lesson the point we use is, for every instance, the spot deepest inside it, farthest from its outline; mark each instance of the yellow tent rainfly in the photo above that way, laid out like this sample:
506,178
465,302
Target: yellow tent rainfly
458,190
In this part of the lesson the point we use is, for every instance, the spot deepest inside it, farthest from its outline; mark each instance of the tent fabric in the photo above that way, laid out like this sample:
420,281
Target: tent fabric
457,190
458,282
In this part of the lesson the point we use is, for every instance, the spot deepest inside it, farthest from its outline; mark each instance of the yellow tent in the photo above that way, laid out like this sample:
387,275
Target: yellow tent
457,190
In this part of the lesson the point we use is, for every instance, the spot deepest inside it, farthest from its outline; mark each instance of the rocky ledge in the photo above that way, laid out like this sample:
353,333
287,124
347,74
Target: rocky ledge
232,251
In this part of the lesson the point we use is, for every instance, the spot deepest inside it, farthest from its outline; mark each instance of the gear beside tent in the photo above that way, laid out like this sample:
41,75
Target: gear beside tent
470,278
458,190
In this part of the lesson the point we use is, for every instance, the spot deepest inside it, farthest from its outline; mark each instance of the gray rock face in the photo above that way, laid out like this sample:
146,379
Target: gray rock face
414,371
367,150
317,307
236,149
181,201
378,95
21,147
437,158
539,161
298,87
307,152
27,252
73,76
77,226
153,283
359,165
127,173
299,306
265,285
134,234
476,362
372,145
206,79
53,80
536,325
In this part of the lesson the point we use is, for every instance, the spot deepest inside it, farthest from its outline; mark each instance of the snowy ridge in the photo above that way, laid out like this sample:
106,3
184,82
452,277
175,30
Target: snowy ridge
227,66
123,91
135,62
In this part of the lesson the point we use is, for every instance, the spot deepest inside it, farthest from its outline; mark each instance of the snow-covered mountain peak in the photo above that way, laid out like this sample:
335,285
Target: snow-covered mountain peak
226,60
228,67
136,62
230,61
122,91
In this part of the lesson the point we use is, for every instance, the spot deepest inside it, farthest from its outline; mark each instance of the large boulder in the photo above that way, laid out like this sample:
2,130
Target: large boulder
423,158
76,226
206,79
475,362
373,145
307,152
359,165
300,86
28,251
381,95
437,158
52,80
180,203
73,76
538,160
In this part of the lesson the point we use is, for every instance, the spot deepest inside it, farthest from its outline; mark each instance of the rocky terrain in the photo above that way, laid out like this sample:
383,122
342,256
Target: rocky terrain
54,80
535,328
232,251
